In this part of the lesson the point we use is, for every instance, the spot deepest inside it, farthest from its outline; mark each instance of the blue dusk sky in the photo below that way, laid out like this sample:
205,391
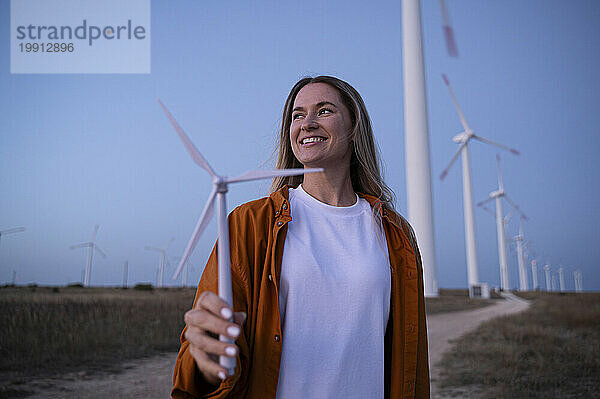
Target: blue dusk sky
78,150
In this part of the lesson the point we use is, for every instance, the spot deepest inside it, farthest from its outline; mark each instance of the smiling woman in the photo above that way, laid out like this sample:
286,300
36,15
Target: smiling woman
322,307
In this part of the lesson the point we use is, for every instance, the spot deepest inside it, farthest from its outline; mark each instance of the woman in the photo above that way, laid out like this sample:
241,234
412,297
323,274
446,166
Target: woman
327,277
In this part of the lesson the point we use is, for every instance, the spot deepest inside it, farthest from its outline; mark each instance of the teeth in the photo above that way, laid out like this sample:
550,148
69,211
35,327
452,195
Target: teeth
312,140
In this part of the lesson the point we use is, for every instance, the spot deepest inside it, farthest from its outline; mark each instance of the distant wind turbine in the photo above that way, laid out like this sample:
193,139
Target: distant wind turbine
534,274
186,268
163,261
220,188
497,196
561,279
578,280
11,231
463,139
91,245
523,283
125,273
547,272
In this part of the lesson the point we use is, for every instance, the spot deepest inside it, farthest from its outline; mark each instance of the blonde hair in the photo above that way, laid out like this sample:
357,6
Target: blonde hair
365,164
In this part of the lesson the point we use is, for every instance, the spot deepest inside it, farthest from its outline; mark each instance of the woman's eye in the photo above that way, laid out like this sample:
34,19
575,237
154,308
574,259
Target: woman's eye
296,116
325,111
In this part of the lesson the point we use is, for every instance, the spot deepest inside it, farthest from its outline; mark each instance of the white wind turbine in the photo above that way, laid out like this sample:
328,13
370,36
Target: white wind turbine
163,261
219,191
91,245
185,272
561,279
497,195
547,272
523,283
463,139
578,280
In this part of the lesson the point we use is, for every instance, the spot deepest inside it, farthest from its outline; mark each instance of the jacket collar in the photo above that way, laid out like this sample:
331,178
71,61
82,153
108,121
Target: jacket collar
281,197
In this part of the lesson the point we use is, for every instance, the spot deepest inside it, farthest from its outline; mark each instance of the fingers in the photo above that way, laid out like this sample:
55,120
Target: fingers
207,321
239,318
209,301
210,369
208,344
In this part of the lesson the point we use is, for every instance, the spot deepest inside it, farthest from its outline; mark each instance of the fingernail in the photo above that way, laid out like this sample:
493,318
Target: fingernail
221,375
233,331
226,313
230,350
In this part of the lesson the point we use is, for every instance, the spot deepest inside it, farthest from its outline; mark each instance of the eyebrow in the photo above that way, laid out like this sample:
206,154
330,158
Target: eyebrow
318,105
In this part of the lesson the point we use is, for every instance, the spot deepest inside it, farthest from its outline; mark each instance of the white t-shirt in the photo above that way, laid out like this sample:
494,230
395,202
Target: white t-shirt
334,301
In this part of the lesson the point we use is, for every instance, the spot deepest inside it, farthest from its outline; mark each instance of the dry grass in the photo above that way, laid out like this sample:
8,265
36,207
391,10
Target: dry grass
550,351
454,300
49,330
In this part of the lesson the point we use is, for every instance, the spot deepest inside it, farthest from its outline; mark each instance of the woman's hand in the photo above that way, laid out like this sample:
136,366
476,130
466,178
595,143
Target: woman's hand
209,319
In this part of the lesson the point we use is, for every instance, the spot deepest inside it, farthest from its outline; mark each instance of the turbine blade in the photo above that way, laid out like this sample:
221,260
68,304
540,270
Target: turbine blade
500,184
149,248
83,245
515,206
267,174
13,230
454,158
481,203
95,233
448,33
191,148
497,145
99,250
488,210
205,218
455,101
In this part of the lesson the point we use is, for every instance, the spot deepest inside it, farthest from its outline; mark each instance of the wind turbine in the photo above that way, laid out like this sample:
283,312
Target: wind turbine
578,280
561,279
547,272
448,32
219,191
91,245
523,283
497,195
11,231
534,274
125,273
186,268
162,261
463,139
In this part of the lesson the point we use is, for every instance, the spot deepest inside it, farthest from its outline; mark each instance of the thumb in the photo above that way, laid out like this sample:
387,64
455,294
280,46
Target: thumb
239,318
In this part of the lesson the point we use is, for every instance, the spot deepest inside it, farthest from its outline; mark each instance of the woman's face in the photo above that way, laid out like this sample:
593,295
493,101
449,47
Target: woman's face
321,127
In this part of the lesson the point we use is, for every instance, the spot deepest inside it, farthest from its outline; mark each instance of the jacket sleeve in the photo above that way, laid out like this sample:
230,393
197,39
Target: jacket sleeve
187,379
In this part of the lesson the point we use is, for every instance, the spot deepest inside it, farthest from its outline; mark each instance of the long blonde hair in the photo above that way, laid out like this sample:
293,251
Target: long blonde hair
365,164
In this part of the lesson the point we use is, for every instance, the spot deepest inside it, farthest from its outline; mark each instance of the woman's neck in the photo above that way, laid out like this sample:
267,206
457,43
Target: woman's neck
331,188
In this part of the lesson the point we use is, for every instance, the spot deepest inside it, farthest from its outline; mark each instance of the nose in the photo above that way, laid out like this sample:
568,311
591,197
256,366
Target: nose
309,124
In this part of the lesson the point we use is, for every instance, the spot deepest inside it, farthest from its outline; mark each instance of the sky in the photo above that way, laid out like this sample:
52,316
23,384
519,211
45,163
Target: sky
78,150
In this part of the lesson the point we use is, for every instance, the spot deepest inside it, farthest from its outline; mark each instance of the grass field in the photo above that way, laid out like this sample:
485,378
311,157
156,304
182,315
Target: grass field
49,330
552,350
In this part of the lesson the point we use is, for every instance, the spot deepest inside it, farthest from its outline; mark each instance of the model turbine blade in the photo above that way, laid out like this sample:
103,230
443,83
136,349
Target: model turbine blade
267,174
448,32
191,148
455,101
207,214
454,158
497,145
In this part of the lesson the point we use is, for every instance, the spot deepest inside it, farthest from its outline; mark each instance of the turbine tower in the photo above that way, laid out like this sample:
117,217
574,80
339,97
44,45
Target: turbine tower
497,196
162,261
418,165
125,273
91,246
523,283
463,139
219,192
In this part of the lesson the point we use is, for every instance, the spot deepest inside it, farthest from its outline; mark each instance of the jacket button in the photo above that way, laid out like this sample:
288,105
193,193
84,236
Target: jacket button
284,205
277,213
270,278
279,224
276,338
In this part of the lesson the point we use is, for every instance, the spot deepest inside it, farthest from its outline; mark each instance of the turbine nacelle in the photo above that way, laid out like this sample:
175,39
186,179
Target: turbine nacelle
463,137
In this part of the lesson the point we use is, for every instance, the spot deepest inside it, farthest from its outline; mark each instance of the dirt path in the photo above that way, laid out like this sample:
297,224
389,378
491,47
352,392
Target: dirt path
151,378
443,328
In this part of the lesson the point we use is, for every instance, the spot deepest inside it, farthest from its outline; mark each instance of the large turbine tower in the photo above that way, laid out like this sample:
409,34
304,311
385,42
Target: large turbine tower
91,246
463,139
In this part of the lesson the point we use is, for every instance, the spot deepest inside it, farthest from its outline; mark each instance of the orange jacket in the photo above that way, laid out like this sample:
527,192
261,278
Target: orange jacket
258,229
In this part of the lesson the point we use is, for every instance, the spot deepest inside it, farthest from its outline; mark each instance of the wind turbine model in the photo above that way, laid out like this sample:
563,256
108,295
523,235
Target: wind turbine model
220,187
162,261
463,139
497,196
91,245
448,32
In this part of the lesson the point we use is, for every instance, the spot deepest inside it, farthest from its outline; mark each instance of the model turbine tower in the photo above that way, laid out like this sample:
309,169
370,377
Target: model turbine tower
91,246
463,139
220,187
